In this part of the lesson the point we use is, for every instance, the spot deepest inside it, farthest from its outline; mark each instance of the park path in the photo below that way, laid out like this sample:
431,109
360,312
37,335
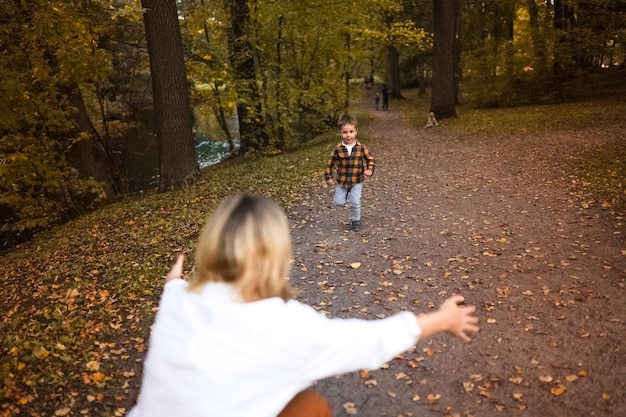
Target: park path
501,221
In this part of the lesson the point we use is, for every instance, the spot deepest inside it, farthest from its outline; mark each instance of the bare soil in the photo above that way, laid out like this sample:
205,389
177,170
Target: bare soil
504,223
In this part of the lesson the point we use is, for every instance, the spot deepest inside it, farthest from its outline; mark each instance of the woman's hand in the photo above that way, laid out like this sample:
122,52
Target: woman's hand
451,318
177,268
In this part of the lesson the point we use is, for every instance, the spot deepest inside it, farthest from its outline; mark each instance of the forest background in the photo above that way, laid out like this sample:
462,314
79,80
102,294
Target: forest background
99,103
84,148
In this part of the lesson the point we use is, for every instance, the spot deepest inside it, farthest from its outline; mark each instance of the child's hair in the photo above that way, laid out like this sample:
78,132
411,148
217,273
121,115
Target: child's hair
246,242
346,119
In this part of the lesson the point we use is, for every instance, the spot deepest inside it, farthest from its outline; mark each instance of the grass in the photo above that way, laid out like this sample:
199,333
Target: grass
78,300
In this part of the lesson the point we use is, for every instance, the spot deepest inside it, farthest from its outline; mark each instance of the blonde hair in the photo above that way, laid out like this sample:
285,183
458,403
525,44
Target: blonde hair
346,119
246,242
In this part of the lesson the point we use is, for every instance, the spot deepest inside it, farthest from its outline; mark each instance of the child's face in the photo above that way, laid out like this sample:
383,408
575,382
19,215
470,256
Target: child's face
348,134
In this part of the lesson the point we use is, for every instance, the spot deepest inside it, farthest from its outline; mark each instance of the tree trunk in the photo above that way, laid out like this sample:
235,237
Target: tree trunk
394,73
88,156
443,97
177,156
538,40
563,69
241,57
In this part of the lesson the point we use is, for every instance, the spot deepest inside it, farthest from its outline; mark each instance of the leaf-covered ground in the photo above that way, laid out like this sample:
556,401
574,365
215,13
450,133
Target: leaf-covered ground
521,211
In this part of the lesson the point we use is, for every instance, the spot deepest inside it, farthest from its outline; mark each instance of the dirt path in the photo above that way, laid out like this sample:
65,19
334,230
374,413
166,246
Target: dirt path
501,222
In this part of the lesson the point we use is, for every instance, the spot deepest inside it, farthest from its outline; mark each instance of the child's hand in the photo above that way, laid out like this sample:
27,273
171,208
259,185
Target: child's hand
460,319
330,182
368,172
177,268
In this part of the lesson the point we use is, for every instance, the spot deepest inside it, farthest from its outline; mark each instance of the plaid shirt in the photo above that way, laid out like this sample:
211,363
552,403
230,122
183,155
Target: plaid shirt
348,169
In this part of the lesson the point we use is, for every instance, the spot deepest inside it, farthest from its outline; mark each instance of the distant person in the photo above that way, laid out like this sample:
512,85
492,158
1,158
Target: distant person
232,342
385,97
377,100
348,165
432,120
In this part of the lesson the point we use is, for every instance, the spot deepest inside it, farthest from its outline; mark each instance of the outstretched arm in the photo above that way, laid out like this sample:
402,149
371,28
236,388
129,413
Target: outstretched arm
177,268
451,318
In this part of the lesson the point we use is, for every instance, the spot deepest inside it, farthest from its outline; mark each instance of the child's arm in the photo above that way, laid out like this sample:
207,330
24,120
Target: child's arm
328,172
369,162
451,318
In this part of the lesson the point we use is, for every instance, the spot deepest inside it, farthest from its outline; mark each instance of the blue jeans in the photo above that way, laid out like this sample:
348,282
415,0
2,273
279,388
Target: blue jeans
353,196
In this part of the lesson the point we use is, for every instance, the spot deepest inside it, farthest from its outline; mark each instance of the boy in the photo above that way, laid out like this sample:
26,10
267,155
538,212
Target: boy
348,164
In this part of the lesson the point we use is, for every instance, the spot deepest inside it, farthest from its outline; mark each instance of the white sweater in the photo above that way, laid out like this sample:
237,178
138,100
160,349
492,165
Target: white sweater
210,355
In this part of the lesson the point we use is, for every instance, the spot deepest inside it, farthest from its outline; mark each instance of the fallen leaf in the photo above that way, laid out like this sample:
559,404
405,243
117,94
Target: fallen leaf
62,412
350,408
518,396
516,380
546,378
557,390
571,378
416,398
355,265
433,398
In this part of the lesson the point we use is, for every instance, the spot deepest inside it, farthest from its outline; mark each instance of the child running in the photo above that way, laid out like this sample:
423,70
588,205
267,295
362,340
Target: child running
348,165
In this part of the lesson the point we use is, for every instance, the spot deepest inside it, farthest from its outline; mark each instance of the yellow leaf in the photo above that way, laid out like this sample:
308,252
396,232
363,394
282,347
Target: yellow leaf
355,265
516,380
491,321
606,396
582,373
518,396
364,373
468,385
62,412
433,398
93,366
98,377
546,378
416,398
350,408
41,352
571,378
21,366
557,390
371,383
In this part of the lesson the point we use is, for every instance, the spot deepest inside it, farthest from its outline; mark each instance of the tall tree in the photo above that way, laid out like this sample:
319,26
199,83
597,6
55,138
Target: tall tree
177,157
443,98
241,55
